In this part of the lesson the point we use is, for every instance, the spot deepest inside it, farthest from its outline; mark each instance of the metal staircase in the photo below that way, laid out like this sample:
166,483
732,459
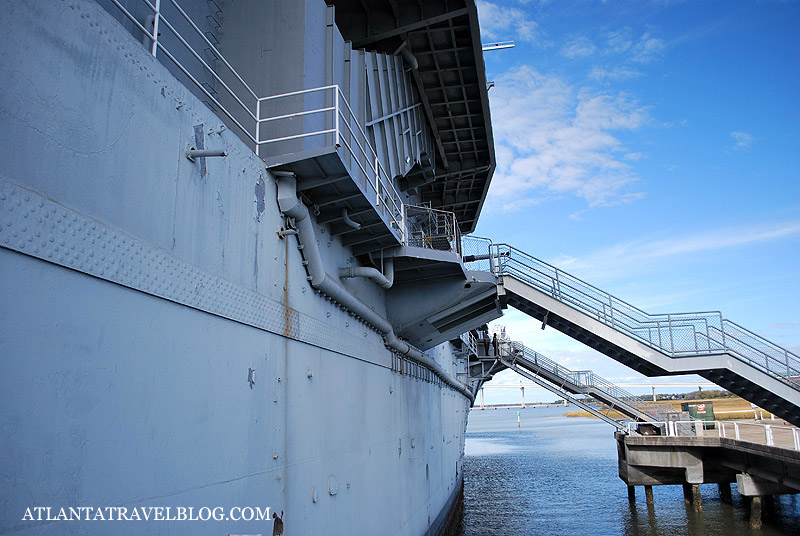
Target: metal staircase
581,382
560,380
700,343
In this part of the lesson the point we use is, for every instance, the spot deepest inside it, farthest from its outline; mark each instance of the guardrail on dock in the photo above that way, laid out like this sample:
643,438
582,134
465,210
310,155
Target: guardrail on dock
763,434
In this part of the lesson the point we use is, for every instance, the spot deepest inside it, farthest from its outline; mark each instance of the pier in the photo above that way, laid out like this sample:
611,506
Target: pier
762,459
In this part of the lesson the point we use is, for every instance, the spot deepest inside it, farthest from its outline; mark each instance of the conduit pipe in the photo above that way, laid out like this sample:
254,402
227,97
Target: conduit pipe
383,279
349,221
409,57
292,207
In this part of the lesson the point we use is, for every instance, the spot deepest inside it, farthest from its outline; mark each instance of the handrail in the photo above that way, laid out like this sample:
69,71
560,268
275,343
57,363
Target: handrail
674,334
431,228
211,46
156,43
340,121
246,115
765,436
586,379
470,341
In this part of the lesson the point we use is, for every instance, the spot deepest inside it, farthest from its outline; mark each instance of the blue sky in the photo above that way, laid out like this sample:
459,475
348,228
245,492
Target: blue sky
651,148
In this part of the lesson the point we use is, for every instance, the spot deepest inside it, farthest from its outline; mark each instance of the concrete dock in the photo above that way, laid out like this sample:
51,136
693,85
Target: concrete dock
762,460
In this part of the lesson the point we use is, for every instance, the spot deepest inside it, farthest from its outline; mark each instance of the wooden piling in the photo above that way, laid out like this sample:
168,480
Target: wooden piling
631,494
648,493
687,494
755,512
697,499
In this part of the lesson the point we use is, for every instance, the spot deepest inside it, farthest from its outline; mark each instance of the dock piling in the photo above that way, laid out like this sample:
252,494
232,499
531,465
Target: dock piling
725,493
697,499
755,512
631,494
648,493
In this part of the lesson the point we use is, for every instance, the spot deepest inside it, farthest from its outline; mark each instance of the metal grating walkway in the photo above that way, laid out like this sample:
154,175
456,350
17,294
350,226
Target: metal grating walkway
702,343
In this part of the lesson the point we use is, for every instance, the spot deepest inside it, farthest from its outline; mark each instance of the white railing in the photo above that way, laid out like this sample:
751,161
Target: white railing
167,31
470,341
163,38
586,379
762,434
338,126
432,229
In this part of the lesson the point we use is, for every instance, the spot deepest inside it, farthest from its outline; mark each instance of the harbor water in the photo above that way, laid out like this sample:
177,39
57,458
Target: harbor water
558,475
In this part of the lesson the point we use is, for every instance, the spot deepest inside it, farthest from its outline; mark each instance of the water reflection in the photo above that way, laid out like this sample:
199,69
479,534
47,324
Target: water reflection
556,475
486,447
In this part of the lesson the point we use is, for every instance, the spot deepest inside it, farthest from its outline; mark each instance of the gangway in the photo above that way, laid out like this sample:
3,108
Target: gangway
560,392
560,380
516,356
702,343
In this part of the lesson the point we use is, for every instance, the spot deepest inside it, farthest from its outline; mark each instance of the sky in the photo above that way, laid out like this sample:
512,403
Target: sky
651,148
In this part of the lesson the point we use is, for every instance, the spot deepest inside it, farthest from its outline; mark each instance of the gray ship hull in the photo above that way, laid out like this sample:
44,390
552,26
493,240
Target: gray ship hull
140,292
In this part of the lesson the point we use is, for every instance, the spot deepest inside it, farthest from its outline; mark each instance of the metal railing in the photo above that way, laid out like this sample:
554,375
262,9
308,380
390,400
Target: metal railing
432,229
763,434
168,31
477,253
676,335
585,379
470,341
336,125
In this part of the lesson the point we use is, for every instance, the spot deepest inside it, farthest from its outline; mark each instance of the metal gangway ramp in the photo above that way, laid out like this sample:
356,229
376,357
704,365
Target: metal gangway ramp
520,358
702,343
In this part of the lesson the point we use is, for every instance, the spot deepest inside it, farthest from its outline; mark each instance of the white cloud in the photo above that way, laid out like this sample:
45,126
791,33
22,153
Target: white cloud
630,257
506,23
616,73
741,140
625,55
581,47
618,41
555,140
648,49
642,49
786,325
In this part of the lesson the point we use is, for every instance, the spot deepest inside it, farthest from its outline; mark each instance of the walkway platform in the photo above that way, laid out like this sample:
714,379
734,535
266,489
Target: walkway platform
762,459
702,343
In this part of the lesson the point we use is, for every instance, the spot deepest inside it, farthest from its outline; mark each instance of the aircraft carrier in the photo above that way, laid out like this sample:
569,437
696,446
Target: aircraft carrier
231,264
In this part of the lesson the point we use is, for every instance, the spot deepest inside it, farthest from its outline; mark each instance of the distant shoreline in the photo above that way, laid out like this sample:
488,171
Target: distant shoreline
725,409
517,406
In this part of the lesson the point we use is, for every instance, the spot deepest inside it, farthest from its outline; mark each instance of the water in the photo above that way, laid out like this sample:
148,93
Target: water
558,475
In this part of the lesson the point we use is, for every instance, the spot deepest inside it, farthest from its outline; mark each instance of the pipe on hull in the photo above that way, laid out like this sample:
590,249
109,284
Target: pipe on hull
385,280
292,207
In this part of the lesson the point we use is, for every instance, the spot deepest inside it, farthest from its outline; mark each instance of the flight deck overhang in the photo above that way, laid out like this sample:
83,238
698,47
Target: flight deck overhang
428,313
441,44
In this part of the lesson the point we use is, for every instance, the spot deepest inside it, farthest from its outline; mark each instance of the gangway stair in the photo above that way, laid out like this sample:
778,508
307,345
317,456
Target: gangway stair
562,393
560,380
702,343
516,356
